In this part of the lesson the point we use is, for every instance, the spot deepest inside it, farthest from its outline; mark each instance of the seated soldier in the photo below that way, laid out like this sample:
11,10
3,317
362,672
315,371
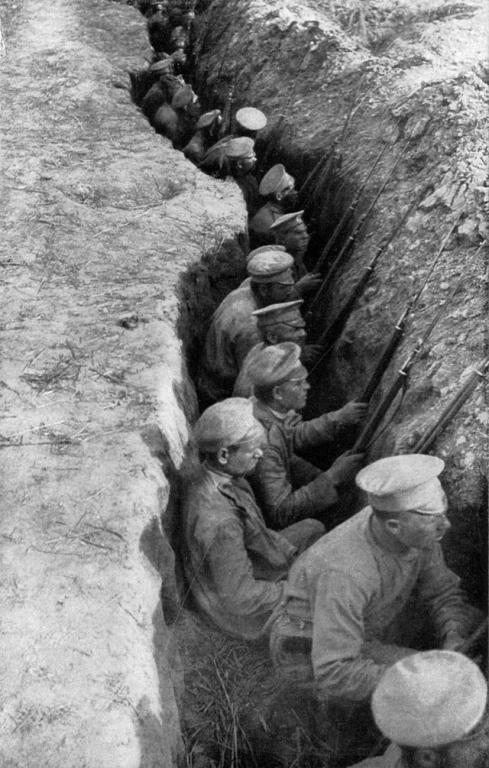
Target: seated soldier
432,706
234,564
206,134
275,324
357,594
287,487
290,231
278,187
233,328
248,122
235,156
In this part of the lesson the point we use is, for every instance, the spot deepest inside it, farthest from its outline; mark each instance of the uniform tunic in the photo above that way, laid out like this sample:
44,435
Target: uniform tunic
243,386
261,222
233,562
231,335
350,592
287,487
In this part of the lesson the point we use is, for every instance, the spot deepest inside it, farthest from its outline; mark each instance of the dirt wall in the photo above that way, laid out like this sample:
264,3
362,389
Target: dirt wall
416,76
101,219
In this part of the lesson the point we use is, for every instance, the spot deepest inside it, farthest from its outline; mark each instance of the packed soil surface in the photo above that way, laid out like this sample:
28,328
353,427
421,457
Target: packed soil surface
101,219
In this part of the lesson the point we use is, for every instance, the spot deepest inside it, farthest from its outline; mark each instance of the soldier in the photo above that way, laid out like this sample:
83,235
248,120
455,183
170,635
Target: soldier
275,323
206,134
234,564
431,705
355,597
248,122
233,329
178,119
161,92
290,231
234,156
287,487
278,187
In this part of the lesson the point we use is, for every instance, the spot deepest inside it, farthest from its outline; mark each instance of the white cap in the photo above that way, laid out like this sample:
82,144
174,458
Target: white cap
429,699
226,423
401,483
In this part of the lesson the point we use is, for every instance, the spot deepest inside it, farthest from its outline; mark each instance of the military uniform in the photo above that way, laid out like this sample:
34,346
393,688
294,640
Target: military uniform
234,564
350,592
261,222
288,487
232,333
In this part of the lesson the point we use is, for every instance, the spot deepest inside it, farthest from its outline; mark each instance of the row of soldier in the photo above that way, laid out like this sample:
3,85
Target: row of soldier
341,604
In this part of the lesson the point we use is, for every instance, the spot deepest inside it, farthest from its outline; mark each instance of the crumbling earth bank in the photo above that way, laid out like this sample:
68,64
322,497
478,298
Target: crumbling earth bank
418,74
101,219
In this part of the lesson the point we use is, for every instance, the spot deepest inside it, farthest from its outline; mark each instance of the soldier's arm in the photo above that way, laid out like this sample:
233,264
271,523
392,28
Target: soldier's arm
315,432
280,503
340,669
440,588
232,574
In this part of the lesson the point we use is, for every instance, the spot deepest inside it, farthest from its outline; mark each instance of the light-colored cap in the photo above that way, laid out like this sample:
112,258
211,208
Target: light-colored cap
163,65
208,118
429,699
263,249
274,180
226,423
285,312
183,97
240,146
270,266
401,483
276,364
288,221
251,119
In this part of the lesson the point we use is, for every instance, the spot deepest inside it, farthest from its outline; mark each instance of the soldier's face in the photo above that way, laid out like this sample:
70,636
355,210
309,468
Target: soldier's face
240,460
247,163
422,531
297,240
292,394
284,332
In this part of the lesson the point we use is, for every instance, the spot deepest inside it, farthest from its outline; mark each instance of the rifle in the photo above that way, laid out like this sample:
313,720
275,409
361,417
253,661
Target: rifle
399,328
399,383
426,441
335,329
350,240
327,157
225,126
474,638
351,208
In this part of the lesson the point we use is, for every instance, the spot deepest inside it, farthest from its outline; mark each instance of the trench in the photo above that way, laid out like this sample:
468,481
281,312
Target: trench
228,708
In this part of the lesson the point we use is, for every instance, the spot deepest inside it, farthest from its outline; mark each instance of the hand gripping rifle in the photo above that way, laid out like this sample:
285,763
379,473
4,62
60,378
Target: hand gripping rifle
428,439
399,328
399,383
335,328
351,239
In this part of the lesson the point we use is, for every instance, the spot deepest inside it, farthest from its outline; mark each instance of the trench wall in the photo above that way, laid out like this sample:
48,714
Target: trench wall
102,219
416,75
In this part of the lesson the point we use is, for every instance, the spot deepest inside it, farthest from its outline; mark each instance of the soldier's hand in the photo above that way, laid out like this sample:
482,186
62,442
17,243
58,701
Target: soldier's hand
310,282
343,470
311,353
352,413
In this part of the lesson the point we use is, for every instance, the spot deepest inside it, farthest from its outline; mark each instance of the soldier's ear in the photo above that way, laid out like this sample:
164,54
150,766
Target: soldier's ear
222,456
393,525
279,196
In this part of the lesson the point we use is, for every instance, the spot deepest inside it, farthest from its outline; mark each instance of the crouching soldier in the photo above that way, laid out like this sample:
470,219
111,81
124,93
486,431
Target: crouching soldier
275,324
278,188
287,487
234,564
235,156
431,705
233,329
206,134
358,596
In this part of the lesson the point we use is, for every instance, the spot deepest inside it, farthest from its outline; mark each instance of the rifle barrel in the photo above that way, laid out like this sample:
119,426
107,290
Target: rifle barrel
455,404
474,637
